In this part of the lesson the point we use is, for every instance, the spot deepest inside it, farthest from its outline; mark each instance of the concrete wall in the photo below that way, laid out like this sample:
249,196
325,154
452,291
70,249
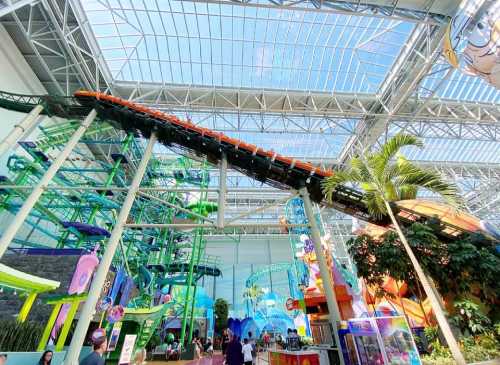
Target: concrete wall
240,259
16,76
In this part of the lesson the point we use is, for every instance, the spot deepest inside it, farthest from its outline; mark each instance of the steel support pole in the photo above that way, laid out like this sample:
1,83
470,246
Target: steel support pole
19,129
222,192
106,260
38,190
331,298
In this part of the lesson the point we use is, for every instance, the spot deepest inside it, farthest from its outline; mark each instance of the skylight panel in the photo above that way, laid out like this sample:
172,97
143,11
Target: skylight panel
458,86
455,150
224,45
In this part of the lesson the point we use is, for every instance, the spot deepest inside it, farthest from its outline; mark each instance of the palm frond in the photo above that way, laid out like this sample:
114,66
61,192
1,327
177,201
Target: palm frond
390,191
412,175
358,166
408,192
375,204
390,149
340,177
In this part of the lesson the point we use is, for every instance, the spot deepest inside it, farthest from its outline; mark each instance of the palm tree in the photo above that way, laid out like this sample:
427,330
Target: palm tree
386,176
253,295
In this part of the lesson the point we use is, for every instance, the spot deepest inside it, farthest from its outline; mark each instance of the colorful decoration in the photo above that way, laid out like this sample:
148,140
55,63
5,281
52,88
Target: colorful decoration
474,47
115,313
104,304
170,338
81,279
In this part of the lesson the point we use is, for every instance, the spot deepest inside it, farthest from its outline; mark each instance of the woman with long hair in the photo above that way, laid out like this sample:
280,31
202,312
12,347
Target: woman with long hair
46,358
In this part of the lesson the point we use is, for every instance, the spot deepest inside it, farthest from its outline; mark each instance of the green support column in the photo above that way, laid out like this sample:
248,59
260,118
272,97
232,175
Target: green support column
193,304
195,259
49,326
67,325
107,183
188,289
21,215
26,308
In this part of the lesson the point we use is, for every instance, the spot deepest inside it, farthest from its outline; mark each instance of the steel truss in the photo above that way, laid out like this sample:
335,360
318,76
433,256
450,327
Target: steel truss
177,98
61,42
415,61
428,12
59,35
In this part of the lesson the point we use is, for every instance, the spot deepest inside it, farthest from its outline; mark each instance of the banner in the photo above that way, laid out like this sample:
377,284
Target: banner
127,350
115,334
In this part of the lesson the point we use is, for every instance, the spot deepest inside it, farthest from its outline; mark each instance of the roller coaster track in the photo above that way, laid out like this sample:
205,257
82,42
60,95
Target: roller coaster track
266,166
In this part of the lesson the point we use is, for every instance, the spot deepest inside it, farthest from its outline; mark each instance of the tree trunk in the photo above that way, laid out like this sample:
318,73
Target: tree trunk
435,302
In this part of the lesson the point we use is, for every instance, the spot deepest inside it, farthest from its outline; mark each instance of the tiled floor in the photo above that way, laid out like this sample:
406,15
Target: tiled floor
215,360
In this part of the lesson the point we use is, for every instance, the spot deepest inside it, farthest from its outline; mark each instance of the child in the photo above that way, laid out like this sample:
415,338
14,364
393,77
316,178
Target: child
247,352
209,348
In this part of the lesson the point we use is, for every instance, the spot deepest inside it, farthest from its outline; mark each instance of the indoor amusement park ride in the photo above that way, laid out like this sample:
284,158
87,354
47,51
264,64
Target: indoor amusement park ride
159,260
265,166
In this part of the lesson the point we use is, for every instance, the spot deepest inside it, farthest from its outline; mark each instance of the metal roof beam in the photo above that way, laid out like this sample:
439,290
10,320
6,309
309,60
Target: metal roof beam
415,61
178,98
12,6
400,10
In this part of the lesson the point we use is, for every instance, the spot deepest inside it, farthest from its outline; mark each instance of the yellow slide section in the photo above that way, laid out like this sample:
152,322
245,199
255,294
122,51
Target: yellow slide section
420,314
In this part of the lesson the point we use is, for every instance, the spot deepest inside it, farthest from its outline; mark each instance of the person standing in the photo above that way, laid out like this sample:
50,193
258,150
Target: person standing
3,359
247,352
96,357
252,343
267,340
140,357
209,347
234,356
225,341
197,348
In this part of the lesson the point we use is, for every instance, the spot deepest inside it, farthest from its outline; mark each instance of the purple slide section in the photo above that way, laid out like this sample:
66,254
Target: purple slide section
81,278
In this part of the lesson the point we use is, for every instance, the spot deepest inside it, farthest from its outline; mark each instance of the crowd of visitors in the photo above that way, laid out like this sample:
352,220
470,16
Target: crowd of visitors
237,353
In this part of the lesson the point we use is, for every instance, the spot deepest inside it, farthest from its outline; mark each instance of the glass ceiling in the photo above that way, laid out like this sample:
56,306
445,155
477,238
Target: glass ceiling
195,43
225,45
454,150
459,86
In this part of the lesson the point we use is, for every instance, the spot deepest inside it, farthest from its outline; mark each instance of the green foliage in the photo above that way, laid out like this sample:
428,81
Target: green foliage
479,348
385,176
431,334
459,267
469,318
496,329
16,336
221,311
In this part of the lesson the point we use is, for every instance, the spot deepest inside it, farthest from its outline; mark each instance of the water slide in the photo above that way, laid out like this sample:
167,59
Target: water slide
419,314
266,166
